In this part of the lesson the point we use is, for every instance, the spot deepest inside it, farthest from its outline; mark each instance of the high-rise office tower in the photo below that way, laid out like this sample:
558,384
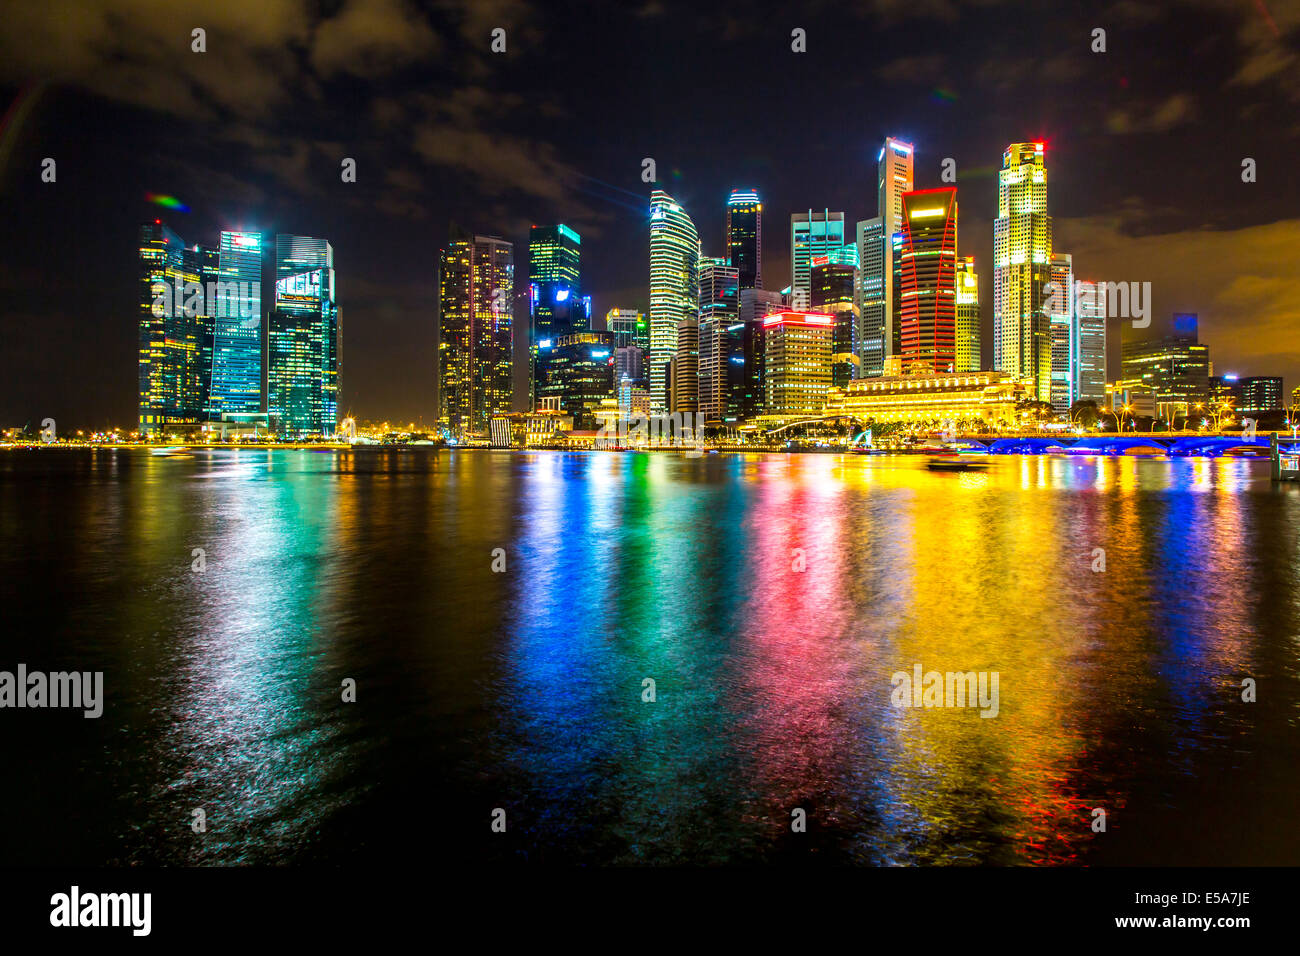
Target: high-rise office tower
236,385
1022,253
628,326
745,236
834,291
1172,363
878,302
674,286
797,352
579,370
968,316
685,366
928,281
555,304
171,332
1260,395
303,341
475,347
1090,342
1062,313
812,234
872,297
755,306
719,310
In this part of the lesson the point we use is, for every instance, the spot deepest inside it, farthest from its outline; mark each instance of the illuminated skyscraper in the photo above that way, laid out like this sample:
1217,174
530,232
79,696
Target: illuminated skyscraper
879,307
1090,347
968,316
475,347
835,291
674,286
797,352
745,236
555,304
1022,253
928,281
812,234
172,320
629,327
303,341
1172,363
719,311
237,327
1062,315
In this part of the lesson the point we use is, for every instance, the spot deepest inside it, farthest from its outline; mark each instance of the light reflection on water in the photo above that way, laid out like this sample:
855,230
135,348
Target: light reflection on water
523,689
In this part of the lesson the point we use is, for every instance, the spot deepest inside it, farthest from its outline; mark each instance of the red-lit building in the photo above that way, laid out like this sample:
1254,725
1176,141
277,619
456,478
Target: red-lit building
928,284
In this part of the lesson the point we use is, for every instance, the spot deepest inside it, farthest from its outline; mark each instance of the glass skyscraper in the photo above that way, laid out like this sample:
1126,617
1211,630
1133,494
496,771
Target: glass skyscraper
719,312
171,370
812,234
1090,329
555,304
878,303
1063,317
968,316
674,286
236,385
303,340
745,237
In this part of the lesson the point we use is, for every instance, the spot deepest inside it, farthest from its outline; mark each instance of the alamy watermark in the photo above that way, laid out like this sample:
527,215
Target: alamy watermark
1116,300
952,689
226,299
678,430
73,689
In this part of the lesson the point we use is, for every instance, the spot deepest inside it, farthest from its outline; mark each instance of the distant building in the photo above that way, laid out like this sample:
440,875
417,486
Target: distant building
579,375
1090,342
674,285
1022,252
303,340
475,346
812,234
556,305
797,358
1260,395
1062,318
969,341
629,327
173,373
745,237
928,276
834,285
719,310
1174,366
237,328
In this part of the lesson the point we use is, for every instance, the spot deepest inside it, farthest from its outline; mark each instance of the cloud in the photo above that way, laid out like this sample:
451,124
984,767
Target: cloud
1177,110
370,38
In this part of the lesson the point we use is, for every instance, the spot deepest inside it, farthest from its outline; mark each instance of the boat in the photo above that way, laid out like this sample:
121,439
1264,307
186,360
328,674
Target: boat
955,463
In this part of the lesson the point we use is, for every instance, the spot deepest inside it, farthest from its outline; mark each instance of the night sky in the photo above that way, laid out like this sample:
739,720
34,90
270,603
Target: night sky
1145,145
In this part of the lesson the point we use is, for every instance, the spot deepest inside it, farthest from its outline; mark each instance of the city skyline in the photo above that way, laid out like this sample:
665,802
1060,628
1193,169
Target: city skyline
1127,161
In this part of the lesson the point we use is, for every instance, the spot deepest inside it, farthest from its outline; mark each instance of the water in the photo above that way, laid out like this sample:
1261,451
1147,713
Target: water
522,690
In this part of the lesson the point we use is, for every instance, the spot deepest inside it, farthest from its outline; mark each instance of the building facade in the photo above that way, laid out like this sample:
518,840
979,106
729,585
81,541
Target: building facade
797,353
236,383
928,281
812,234
969,333
303,339
744,239
1022,253
475,347
674,286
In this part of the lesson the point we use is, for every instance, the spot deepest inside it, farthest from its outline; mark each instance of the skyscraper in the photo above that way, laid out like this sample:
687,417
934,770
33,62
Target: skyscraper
629,328
475,347
877,301
237,327
1062,313
928,280
674,285
812,234
968,316
1172,363
170,336
1022,252
555,304
303,342
797,352
745,236
835,291
1090,330
719,311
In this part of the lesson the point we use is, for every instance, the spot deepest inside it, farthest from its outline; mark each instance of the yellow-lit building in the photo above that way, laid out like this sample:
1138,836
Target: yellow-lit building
989,397
797,362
